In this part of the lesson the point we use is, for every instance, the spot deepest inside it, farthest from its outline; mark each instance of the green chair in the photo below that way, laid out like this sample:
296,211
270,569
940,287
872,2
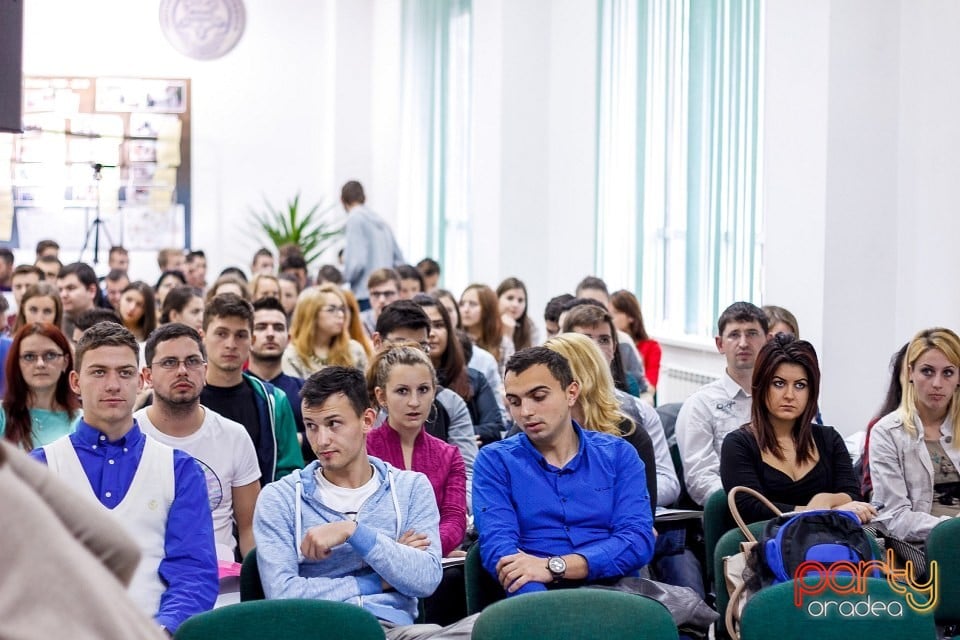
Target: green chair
716,522
771,613
573,614
482,589
282,619
250,586
943,545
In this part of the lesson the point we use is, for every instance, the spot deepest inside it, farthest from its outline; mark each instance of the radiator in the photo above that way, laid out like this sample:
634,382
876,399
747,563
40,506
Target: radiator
676,385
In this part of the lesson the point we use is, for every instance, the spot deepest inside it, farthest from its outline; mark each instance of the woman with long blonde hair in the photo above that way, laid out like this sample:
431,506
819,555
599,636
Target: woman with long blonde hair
318,335
597,408
914,454
355,324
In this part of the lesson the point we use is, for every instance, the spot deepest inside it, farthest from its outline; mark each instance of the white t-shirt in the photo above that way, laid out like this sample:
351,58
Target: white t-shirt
343,499
226,455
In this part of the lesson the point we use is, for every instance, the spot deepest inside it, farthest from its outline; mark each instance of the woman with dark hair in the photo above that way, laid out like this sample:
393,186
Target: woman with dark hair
890,404
184,305
512,299
138,309
167,281
448,355
449,302
229,283
480,316
796,464
627,317
38,406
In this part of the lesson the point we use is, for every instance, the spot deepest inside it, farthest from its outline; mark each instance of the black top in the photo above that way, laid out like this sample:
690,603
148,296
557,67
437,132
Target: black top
641,441
237,403
742,465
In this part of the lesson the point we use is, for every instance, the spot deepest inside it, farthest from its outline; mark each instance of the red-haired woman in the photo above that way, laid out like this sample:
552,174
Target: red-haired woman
38,406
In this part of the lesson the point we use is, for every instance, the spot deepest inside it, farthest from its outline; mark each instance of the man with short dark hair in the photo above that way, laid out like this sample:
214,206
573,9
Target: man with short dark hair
270,337
294,265
551,313
721,406
79,289
383,287
350,527
558,505
157,494
48,248
196,265
118,259
50,266
369,243
259,406
263,262
175,369
402,321
91,317
430,270
114,284
6,268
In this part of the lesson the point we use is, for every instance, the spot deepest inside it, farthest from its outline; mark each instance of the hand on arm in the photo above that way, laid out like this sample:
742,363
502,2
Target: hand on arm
320,540
518,569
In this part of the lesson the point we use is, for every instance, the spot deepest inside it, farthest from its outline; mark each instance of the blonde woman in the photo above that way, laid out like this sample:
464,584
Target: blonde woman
597,408
914,455
319,336
355,324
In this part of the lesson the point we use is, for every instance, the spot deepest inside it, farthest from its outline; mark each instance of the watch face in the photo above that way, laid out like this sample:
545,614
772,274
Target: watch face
557,565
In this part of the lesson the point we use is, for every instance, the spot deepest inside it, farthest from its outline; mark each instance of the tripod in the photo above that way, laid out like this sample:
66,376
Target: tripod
98,222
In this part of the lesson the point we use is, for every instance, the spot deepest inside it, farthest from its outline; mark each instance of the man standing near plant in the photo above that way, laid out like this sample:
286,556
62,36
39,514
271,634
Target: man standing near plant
370,244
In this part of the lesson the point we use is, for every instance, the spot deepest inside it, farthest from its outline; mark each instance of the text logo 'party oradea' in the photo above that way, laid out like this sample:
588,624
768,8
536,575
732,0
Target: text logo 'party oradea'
815,582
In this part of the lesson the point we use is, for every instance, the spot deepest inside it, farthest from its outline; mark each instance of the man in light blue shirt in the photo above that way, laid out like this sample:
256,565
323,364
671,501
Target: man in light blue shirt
370,244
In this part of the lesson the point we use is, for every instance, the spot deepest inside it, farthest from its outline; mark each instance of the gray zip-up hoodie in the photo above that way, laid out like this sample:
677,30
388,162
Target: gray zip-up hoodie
404,501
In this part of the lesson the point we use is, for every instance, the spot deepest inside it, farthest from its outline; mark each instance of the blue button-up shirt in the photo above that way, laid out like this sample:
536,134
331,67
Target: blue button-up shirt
597,505
189,567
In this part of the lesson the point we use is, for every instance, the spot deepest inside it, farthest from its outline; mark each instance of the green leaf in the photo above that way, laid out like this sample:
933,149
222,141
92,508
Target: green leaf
313,231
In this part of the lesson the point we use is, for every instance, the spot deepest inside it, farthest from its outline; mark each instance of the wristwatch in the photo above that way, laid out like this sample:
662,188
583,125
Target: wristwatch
557,567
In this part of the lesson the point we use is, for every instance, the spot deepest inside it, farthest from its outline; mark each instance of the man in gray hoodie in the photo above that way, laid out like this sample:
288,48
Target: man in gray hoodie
349,527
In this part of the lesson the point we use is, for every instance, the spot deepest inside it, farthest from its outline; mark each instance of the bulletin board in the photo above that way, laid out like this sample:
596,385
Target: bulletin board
101,160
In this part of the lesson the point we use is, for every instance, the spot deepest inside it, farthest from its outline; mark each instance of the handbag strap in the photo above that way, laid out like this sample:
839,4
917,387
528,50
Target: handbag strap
732,502
732,614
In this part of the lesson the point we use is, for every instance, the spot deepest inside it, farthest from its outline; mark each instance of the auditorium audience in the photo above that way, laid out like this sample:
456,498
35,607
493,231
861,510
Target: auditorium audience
512,299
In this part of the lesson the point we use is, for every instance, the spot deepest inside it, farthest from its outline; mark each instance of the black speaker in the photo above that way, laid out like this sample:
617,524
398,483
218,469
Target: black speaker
11,65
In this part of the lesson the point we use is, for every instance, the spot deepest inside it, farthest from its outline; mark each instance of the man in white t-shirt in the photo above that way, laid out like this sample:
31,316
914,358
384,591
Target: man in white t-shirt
176,367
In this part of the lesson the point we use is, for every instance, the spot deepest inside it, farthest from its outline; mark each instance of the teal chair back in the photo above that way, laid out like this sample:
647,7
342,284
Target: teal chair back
282,619
717,520
482,589
250,585
943,545
573,614
771,613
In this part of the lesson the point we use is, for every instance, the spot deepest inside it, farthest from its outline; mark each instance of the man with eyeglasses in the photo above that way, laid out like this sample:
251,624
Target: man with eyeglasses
384,287
261,408
405,321
176,368
721,406
157,494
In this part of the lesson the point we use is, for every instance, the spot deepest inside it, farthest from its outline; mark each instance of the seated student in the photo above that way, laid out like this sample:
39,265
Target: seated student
551,313
175,368
351,527
383,286
183,304
794,463
628,318
781,321
593,321
512,298
430,270
263,262
480,318
87,561
404,385
411,282
319,336
405,321
595,525
913,451
110,458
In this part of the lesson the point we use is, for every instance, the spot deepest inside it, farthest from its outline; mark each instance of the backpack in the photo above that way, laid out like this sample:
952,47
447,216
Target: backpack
824,536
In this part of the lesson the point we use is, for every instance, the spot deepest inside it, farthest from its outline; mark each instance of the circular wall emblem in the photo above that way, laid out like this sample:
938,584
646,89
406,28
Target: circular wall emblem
202,29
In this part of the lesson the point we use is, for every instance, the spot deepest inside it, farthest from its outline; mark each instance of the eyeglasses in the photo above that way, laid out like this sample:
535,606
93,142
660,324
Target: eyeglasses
335,310
48,357
383,294
172,364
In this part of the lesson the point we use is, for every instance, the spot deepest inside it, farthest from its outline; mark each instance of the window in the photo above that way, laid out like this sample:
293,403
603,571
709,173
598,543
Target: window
679,164
434,131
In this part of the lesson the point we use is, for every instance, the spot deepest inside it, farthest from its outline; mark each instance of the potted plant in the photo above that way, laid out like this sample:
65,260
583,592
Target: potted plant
314,232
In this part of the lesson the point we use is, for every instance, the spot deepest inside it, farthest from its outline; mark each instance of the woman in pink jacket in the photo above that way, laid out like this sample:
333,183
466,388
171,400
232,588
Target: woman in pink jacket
403,384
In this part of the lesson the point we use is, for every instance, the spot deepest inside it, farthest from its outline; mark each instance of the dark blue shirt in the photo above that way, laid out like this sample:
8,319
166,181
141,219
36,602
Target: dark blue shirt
597,505
189,567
